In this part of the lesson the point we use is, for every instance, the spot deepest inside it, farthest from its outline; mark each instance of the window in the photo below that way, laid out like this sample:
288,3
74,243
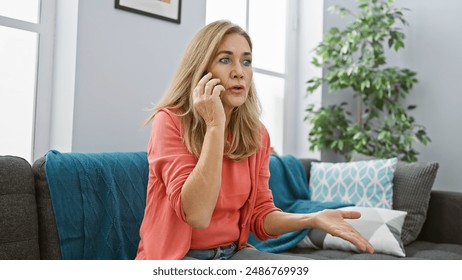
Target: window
270,40
25,55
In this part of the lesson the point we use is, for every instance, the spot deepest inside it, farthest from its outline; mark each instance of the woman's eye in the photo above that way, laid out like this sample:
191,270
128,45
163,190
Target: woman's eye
224,60
247,62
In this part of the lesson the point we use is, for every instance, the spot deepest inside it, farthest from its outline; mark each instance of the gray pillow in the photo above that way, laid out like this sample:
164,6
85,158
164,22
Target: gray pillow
412,185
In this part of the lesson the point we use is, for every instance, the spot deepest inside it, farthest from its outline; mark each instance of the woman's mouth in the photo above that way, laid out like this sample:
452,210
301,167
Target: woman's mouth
237,89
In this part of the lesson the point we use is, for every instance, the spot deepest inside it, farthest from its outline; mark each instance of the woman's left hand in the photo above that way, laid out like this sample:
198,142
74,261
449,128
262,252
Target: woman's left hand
333,222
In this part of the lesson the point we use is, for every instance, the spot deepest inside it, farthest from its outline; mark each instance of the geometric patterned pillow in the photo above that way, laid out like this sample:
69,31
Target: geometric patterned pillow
381,227
363,183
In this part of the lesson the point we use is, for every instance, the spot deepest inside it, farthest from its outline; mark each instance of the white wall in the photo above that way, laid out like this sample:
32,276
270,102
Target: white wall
432,49
123,63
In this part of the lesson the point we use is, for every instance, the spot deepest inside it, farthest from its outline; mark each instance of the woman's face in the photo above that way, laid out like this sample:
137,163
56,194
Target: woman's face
233,66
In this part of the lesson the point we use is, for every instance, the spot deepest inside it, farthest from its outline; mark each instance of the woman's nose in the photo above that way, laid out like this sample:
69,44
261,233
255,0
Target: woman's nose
237,72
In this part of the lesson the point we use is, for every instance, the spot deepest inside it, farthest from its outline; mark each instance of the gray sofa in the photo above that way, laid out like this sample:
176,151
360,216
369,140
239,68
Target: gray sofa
28,228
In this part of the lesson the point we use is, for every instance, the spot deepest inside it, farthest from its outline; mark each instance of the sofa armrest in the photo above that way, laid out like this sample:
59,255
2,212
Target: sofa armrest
444,218
48,231
18,211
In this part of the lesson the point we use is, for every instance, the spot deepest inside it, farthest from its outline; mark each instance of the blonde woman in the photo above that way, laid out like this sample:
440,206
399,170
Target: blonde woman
209,161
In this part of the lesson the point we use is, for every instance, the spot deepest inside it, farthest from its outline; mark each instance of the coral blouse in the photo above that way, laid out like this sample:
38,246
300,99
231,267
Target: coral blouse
243,202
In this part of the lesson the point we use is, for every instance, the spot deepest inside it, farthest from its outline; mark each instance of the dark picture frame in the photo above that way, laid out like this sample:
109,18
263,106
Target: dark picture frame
169,10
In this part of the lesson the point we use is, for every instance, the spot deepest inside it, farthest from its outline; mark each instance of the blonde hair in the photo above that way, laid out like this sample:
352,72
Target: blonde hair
244,124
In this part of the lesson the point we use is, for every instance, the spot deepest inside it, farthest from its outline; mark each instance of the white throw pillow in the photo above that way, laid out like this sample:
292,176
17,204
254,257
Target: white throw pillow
381,227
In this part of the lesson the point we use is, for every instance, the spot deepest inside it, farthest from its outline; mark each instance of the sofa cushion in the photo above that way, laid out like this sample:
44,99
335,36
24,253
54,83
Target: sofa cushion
364,183
444,215
434,251
18,210
381,227
417,250
412,185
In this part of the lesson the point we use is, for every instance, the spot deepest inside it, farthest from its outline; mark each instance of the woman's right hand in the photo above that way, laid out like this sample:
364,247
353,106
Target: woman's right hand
207,102
201,189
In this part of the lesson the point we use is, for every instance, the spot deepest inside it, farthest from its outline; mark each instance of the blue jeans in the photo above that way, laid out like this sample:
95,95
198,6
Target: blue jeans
219,253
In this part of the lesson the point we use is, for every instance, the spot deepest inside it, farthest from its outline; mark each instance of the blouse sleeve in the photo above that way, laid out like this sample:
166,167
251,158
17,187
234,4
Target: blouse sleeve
169,160
264,201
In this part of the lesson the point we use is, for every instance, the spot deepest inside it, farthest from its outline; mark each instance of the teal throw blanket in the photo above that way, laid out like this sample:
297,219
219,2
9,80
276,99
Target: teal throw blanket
98,201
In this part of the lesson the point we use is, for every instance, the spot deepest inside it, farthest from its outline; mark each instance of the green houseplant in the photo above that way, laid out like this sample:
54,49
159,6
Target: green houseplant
354,58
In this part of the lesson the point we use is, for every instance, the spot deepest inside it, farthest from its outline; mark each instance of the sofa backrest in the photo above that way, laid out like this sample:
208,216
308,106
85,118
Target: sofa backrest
18,210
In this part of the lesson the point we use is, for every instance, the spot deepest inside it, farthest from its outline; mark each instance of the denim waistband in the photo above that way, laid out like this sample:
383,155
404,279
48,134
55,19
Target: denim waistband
219,253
